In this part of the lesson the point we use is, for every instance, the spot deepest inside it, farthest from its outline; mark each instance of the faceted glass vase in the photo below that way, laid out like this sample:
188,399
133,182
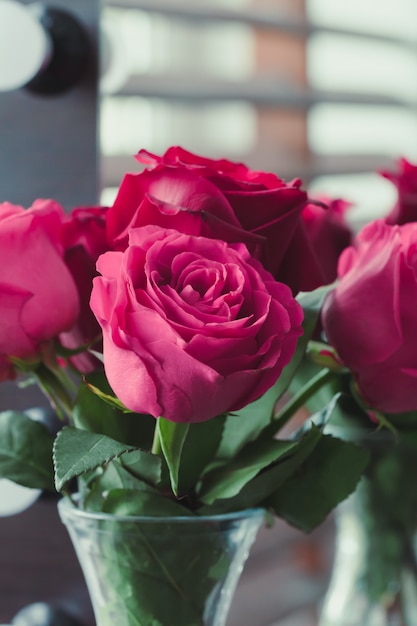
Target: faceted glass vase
374,577
161,571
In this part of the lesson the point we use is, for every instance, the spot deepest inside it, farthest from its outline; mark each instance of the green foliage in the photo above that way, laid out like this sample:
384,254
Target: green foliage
145,502
143,465
78,451
25,451
326,477
227,480
255,492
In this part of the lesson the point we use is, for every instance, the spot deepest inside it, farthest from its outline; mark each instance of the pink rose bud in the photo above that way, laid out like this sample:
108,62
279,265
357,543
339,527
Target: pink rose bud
370,317
38,297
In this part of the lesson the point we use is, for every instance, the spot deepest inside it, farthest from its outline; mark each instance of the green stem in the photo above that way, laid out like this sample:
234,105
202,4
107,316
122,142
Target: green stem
49,358
55,391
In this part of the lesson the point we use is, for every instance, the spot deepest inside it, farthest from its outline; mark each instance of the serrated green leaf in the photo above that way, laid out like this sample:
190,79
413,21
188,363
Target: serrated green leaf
78,451
146,503
114,476
228,481
143,465
326,478
245,425
172,436
308,370
25,451
256,491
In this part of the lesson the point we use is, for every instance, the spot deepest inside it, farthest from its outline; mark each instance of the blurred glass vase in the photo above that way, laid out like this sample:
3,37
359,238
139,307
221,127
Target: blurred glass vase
374,579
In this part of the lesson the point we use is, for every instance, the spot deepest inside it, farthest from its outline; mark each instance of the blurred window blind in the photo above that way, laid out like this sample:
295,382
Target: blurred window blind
316,89
362,47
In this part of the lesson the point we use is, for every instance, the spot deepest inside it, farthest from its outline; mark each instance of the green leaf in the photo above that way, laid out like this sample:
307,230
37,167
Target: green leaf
308,370
267,481
93,487
297,402
245,425
326,478
92,413
145,502
143,465
25,451
312,302
172,436
78,451
256,491
227,481
199,448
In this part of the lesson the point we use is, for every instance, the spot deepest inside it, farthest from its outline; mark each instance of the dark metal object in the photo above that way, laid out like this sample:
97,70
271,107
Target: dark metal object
71,53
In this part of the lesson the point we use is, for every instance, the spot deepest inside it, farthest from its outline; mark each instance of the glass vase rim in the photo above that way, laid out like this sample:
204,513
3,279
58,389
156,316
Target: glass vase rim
68,508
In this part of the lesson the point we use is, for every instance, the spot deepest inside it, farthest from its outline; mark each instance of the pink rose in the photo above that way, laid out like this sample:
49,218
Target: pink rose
192,326
328,232
405,179
84,240
220,200
370,317
38,297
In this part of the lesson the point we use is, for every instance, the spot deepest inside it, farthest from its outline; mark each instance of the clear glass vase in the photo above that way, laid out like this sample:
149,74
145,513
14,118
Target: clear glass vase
161,571
374,577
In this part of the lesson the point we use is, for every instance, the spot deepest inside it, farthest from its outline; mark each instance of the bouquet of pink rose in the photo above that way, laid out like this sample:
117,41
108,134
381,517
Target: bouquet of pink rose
166,331
167,364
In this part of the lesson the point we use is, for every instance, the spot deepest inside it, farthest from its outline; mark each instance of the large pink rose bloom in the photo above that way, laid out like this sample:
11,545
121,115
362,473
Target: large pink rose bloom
192,326
84,240
222,200
370,317
405,180
38,297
